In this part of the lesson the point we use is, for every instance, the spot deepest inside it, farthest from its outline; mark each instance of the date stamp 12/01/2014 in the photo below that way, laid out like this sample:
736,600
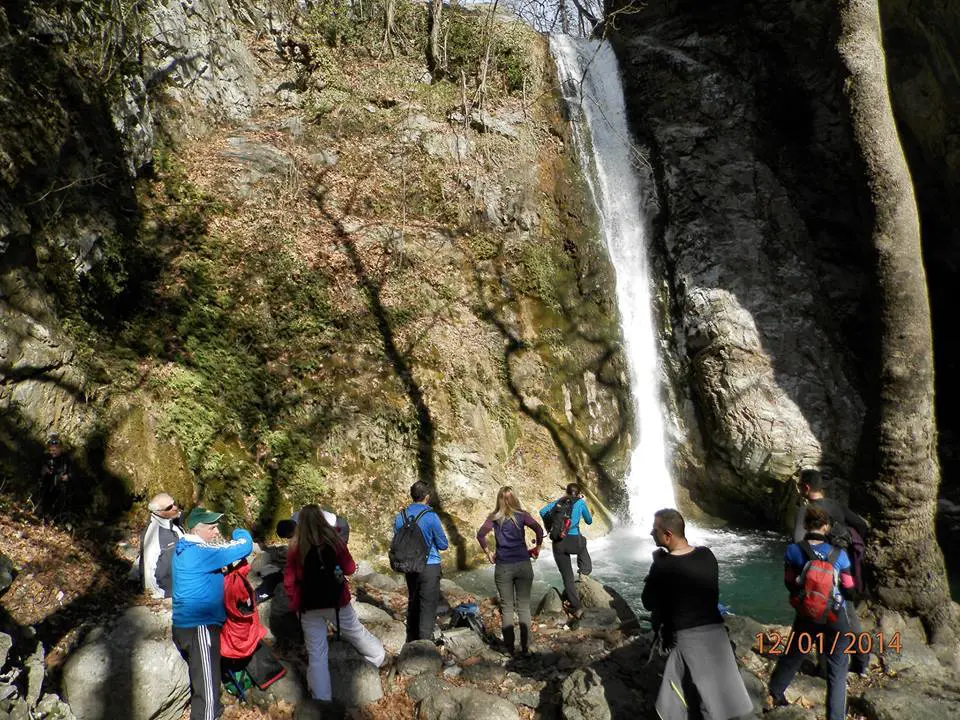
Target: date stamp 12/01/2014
849,643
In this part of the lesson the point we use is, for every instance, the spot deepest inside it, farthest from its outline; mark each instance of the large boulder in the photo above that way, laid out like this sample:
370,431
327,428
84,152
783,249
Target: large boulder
392,634
461,703
419,657
463,643
916,703
355,681
592,594
551,603
583,696
130,670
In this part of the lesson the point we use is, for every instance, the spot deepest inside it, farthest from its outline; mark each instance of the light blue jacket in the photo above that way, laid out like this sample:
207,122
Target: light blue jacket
578,512
431,528
198,580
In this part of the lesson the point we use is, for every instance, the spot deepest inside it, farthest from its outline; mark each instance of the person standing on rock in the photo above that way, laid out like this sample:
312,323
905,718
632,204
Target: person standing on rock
423,587
198,608
513,574
827,631
314,579
847,531
562,519
56,474
157,542
682,591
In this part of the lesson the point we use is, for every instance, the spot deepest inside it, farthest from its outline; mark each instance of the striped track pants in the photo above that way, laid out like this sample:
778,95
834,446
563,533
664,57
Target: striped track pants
200,647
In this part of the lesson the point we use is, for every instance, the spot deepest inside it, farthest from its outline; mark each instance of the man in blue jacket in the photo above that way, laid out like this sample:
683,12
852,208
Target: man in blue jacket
198,611
423,588
568,541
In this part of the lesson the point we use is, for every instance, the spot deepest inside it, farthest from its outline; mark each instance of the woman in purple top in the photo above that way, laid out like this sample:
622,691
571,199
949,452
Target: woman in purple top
514,571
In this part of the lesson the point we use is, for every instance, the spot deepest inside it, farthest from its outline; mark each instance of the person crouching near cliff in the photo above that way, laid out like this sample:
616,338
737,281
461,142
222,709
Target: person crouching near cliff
682,591
819,580
314,579
198,609
513,574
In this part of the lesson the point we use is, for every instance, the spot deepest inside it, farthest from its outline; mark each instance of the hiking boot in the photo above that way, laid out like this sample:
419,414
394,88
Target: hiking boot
509,639
525,640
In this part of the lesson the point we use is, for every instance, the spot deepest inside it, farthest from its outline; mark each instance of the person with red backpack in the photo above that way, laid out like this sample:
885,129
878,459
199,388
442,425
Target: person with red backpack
314,579
562,520
817,574
847,531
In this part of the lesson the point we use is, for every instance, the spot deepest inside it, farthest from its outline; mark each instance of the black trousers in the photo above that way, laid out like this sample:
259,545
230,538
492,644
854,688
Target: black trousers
200,647
423,597
572,545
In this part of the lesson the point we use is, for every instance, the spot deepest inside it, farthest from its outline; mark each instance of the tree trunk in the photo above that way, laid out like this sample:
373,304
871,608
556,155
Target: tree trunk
388,27
908,572
434,64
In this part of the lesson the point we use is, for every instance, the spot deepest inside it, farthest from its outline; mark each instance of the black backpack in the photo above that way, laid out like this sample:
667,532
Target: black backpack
557,520
322,581
408,549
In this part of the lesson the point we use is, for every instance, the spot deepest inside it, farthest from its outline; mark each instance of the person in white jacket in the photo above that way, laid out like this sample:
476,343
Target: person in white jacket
156,546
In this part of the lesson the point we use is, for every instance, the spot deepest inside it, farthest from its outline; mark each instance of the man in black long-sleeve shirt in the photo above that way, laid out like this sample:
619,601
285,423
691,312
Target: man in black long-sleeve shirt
682,590
812,488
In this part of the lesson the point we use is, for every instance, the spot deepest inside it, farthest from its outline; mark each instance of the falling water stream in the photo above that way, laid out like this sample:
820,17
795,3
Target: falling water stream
750,564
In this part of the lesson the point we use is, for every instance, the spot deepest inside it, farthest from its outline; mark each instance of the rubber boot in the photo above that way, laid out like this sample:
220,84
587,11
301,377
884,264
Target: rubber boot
509,639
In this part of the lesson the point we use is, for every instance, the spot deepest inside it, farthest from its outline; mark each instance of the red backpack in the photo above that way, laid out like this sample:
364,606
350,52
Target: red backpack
818,597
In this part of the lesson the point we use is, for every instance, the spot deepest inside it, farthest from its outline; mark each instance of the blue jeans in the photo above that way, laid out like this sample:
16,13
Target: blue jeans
806,633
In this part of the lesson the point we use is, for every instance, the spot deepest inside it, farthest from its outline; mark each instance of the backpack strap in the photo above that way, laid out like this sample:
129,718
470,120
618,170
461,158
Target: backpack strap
832,557
416,518
808,550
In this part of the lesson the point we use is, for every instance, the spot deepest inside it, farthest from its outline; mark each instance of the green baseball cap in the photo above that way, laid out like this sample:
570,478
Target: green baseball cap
202,515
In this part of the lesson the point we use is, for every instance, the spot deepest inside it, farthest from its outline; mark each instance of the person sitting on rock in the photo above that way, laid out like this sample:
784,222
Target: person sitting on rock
56,473
682,591
157,543
314,579
815,626
562,519
198,607
513,574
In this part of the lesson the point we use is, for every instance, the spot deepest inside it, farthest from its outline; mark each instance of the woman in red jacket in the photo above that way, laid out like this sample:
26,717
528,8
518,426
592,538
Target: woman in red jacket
314,578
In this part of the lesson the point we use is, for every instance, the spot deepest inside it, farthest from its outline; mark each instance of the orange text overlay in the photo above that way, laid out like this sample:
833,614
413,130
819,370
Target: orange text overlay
828,642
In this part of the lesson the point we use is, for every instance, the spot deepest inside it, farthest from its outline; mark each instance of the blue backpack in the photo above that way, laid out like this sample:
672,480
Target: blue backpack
467,615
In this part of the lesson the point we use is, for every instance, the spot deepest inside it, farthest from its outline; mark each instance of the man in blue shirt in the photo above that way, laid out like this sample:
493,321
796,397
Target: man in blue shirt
198,611
572,543
423,588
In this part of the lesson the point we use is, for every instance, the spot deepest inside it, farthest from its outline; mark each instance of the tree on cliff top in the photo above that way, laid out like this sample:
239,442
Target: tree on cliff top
908,568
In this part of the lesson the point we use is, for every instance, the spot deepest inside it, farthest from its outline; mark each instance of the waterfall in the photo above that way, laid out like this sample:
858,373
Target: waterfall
590,79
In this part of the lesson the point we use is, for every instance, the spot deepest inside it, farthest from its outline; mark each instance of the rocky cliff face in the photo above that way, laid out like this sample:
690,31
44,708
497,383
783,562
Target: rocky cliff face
761,238
251,269
84,82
